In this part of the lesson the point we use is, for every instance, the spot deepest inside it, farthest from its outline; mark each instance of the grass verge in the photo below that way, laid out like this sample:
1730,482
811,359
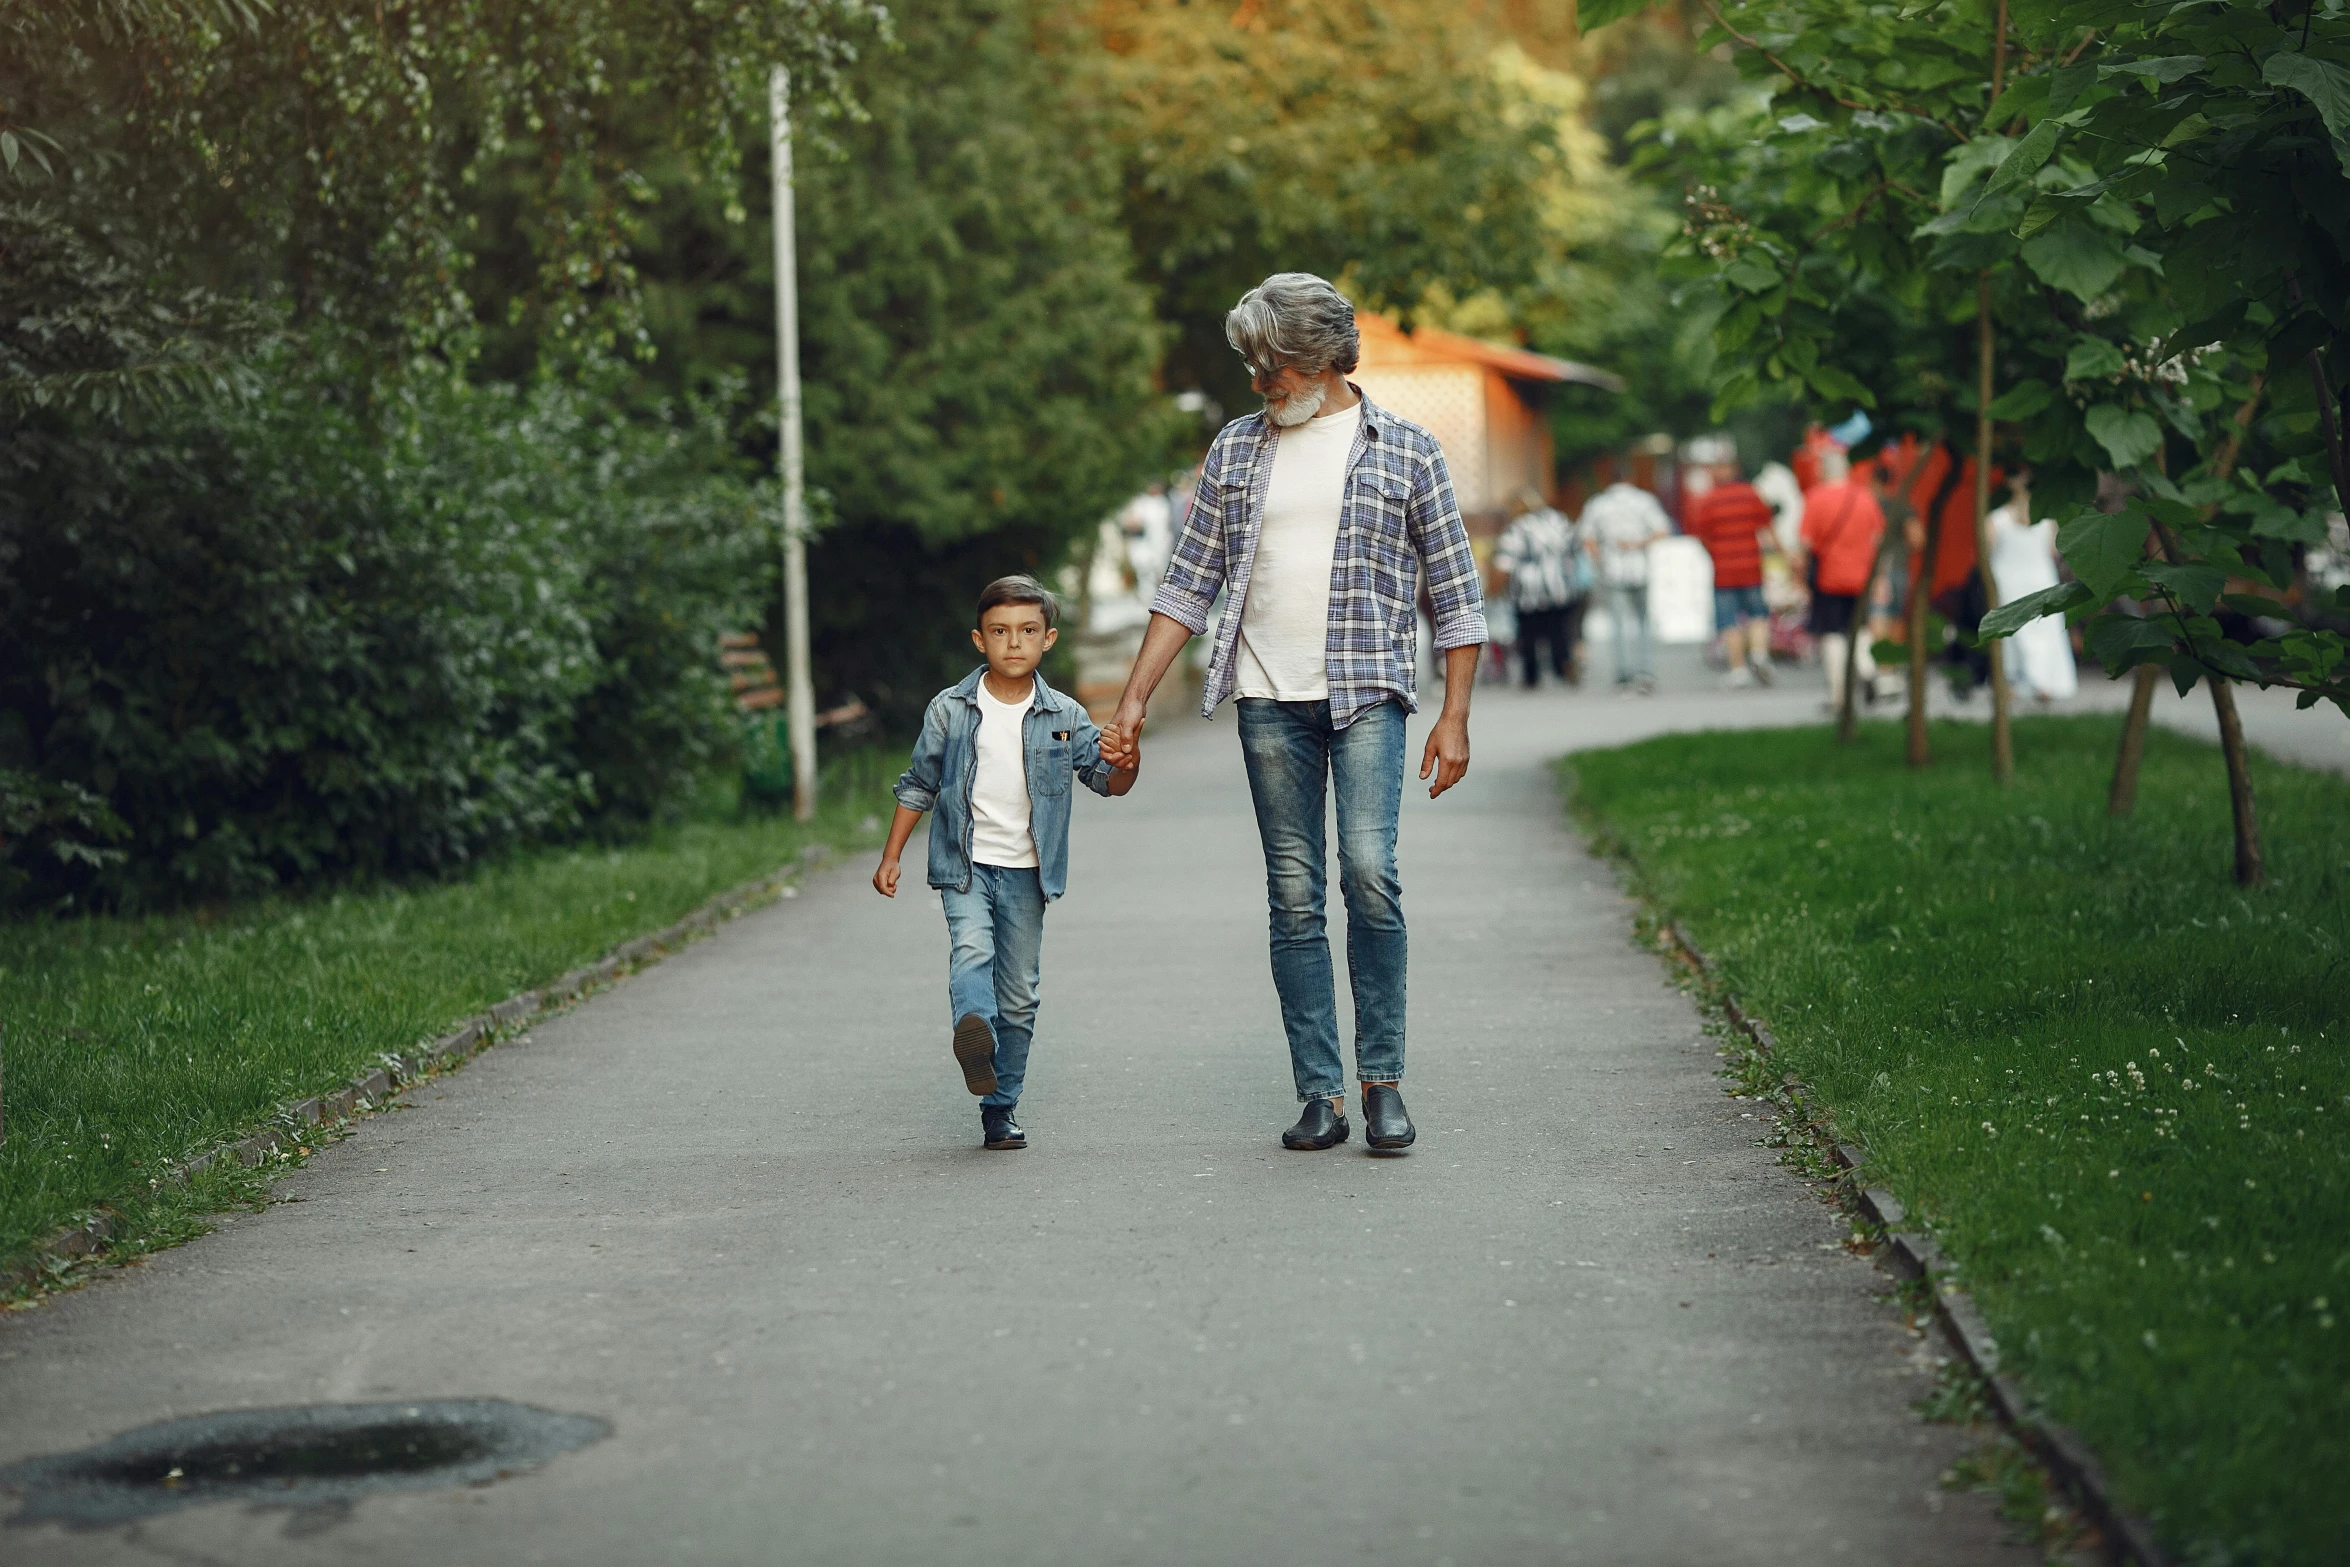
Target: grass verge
133,1043
2113,1084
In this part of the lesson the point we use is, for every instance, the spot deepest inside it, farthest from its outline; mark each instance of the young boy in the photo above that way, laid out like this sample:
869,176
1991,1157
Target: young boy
995,758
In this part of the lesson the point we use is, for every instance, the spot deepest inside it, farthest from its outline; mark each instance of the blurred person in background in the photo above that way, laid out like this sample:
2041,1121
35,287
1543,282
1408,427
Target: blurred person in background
1148,521
1732,520
1545,576
1843,523
1618,525
1775,483
2023,560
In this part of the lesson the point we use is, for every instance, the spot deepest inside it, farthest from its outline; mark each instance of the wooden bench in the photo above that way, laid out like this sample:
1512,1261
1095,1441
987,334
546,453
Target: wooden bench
751,675
749,672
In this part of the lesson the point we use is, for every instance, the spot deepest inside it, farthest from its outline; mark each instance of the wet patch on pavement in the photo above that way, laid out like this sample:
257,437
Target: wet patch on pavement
314,1460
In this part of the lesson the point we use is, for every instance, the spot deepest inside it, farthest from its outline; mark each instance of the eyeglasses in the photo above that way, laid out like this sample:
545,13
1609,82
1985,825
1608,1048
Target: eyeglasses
1269,372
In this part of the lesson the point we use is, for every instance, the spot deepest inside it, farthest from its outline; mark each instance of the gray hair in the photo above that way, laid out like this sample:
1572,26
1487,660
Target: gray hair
1294,318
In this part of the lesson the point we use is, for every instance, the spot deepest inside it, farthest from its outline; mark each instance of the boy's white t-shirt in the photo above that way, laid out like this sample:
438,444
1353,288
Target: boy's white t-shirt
1285,625
999,783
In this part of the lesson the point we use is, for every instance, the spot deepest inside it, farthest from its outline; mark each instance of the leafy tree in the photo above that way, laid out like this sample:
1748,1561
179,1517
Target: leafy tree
978,355
2098,208
1599,293
1830,226
184,170
1370,141
1645,70
352,611
2218,138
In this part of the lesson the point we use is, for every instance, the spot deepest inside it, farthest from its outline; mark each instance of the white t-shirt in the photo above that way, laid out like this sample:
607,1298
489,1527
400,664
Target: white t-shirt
1624,519
1285,625
999,786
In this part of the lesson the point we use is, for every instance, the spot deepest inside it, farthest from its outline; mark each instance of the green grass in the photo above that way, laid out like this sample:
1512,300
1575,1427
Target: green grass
134,1042
2113,1083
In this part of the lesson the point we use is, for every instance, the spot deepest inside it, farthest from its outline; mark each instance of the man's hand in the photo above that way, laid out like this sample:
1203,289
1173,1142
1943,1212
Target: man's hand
1122,736
885,876
1447,754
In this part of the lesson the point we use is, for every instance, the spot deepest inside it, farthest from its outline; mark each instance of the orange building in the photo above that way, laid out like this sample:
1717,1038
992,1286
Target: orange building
1484,405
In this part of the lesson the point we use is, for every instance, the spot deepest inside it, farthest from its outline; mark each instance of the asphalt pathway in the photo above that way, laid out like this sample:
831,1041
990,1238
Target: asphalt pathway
736,1207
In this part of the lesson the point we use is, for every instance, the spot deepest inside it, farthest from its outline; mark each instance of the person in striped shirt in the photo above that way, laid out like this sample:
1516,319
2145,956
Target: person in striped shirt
1732,520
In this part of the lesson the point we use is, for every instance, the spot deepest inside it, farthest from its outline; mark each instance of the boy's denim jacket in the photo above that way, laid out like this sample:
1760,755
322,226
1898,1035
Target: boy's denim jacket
1060,742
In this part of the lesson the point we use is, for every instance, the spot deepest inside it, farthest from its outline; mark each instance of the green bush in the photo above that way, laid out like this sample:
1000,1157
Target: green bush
53,825
683,548
285,637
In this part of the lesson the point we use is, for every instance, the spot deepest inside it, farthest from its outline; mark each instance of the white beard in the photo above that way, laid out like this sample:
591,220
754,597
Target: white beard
1297,410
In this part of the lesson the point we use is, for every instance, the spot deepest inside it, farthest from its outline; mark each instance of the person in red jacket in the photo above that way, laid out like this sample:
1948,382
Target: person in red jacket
1843,522
1731,520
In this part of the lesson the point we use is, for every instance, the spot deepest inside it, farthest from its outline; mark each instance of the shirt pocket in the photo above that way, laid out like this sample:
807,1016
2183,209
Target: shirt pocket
1382,542
1387,496
1051,773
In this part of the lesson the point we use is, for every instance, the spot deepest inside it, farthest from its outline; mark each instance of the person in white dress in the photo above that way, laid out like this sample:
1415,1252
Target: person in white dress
2023,560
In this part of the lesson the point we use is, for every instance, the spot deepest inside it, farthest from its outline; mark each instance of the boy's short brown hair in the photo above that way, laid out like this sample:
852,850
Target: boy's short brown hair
1018,589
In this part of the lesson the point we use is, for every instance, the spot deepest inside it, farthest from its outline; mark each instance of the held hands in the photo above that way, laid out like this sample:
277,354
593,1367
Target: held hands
1447,753
1122,738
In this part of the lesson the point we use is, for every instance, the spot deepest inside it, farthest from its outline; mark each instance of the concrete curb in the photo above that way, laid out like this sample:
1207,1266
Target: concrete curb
371,1091
1912,1256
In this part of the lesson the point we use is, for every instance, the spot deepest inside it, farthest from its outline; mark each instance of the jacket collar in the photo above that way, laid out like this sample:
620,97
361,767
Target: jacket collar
1047,699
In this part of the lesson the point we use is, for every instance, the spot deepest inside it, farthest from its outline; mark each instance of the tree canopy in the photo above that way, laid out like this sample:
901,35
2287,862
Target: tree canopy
184,175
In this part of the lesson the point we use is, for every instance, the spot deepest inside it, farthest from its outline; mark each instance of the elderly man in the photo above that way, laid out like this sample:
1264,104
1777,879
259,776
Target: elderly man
1317,517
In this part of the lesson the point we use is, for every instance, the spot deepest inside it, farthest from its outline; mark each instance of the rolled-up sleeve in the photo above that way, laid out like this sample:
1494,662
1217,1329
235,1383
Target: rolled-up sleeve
1195,570
1441,541
917,786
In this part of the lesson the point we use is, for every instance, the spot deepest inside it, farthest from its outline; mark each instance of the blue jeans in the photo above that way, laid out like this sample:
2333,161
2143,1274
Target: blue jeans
995,956
1627,613
1736,606
1292,754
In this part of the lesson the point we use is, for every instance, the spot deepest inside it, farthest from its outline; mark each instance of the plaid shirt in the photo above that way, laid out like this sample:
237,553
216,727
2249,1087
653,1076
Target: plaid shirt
1396,519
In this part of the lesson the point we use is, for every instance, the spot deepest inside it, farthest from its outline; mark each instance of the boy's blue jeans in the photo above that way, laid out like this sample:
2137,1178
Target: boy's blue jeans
995,956
1295,761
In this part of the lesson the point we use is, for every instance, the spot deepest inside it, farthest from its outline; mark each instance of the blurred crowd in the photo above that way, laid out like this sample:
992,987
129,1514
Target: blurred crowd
1774,567
1798,558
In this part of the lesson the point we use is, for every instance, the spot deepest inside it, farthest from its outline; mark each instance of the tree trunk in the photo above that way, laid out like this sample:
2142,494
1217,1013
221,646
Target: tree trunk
2002,738
2122,798
1921,587
1848,712
2328,415
1921,573
2250,871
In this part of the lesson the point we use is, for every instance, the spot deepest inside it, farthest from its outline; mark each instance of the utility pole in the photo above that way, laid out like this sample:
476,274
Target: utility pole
800,690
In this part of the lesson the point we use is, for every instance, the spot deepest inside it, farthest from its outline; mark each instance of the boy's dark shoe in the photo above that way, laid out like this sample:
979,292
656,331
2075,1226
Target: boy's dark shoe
1386,1127
975,1053
998,1130
1319,1126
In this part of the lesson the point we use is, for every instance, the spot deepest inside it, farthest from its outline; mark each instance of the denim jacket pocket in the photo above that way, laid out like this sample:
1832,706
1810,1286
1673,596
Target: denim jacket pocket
1049,773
